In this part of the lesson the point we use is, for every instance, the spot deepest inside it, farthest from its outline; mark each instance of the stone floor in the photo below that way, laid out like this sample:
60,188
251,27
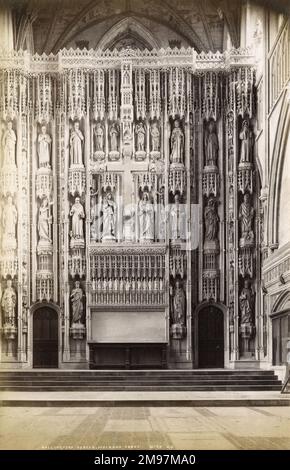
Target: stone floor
145,428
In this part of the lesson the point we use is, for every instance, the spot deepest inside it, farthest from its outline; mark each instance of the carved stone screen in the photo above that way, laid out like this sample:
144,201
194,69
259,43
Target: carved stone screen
129,184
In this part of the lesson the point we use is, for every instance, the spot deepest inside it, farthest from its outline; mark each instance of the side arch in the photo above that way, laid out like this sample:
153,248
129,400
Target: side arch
279,155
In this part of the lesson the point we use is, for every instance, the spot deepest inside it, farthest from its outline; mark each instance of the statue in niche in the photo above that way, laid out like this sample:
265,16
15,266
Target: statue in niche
211,145
77,303
129,222
44,148
246,303
44,222
155,137
109,209
177,219
77,213
99,137
9,221
8,304
246,217
178,304
140,131
146,218
177,144
76,145
246,142
161,227
9,145
94,219
114,134
211,220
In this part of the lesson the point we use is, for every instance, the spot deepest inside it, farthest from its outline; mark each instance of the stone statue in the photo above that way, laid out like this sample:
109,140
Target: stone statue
9,221
246,303
9,145
8,304
155,137
94,219
146,217
44,222
44,148
177,144
177,219
77,303
246,216
129,222
76,144
211,145
77,213
246,144
140,131
211,220
99,137
109,209
178,304
114,134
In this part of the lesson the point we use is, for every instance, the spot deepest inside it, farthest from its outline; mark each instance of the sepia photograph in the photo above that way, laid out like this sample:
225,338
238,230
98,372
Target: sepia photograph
144,229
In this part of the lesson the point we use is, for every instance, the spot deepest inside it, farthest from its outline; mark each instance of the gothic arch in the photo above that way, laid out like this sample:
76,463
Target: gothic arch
39,305
279,153
165,15
282,303
128,24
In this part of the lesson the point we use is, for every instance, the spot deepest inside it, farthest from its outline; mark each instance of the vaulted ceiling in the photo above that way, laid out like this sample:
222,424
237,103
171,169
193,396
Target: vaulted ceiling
55,24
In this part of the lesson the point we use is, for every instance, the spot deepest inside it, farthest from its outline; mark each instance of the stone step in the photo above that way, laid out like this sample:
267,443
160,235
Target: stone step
131,383
136,379
125,373
175,388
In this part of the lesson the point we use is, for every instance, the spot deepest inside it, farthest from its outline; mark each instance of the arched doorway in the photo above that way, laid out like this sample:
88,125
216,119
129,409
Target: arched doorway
210,337
45,338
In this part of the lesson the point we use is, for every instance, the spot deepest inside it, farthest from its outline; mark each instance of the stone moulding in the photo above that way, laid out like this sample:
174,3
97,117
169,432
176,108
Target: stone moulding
163,59
101,248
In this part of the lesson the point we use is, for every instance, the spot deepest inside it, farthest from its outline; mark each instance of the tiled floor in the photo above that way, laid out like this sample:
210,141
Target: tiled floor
145,428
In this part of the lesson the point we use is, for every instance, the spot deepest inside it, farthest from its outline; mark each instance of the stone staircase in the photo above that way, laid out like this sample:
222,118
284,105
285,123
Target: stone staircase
136,380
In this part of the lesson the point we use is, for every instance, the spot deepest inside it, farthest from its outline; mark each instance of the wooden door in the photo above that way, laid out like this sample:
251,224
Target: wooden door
211,338
45,338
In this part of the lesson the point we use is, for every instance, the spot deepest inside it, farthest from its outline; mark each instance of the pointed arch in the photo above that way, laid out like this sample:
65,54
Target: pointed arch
132,25
282,303
279,155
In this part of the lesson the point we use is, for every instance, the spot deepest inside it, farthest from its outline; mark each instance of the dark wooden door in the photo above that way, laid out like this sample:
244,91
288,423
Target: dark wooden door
211,338
45,338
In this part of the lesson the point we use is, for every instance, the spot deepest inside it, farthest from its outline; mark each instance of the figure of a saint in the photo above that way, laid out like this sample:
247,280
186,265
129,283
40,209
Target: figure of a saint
146,217
44,221
114,133
9,221
140,131
99,137
77,213
178,304
44,148
211,145
9,145
109,209
246,142
246,216
76,145
77,303
177,144
8,304
246,303
211,220
155,137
